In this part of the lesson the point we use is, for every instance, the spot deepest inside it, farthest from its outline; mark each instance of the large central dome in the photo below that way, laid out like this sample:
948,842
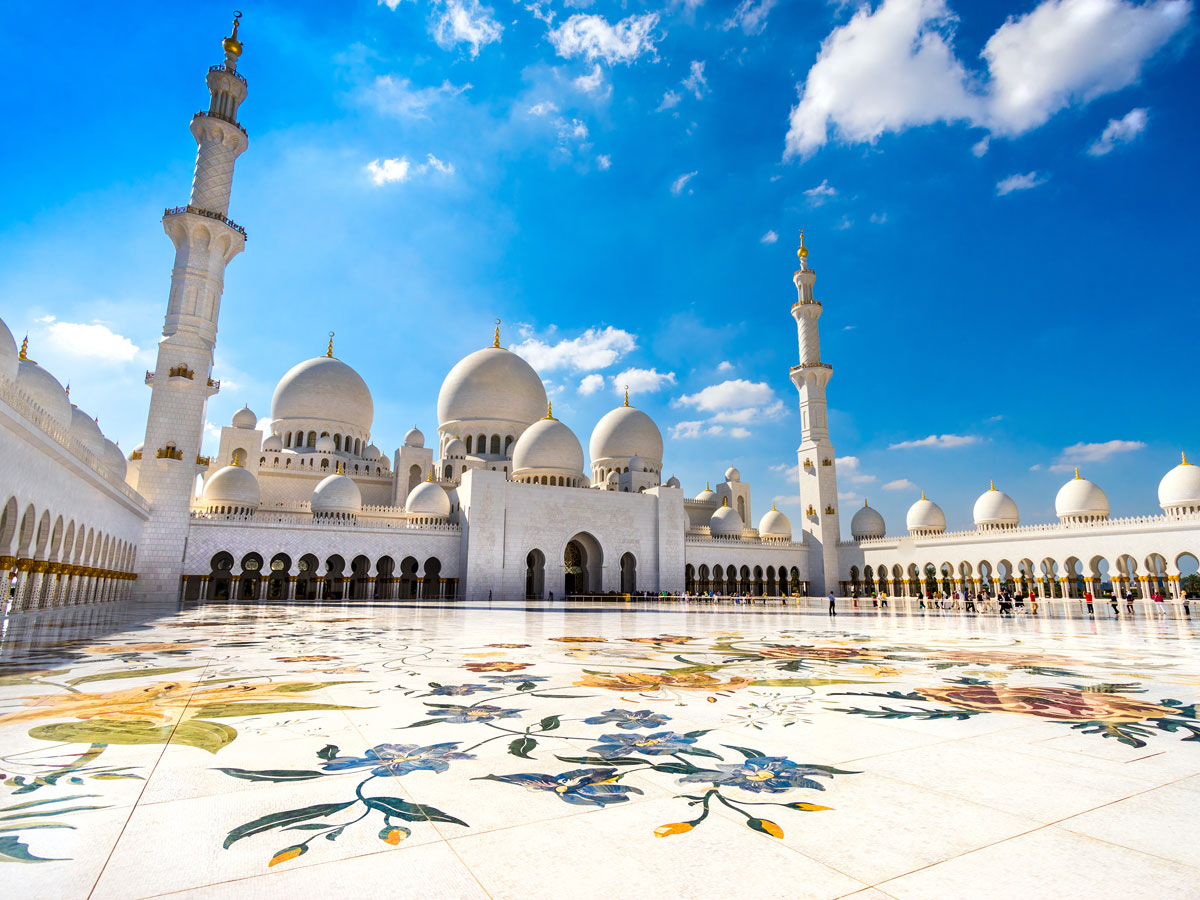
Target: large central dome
327,389
493,384
626,432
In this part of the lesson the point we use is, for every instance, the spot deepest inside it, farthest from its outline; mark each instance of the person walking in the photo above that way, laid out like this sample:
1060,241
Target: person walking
1128,601
1088,599
832,607
1161,608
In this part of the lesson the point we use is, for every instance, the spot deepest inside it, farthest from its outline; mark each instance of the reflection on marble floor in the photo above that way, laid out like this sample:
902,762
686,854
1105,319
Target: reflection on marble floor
461,751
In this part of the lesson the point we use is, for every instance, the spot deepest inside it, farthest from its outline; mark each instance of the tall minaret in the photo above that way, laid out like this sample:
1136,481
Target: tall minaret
818,472
205,241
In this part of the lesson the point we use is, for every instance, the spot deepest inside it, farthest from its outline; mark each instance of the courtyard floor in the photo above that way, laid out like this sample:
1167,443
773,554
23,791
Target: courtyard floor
608,751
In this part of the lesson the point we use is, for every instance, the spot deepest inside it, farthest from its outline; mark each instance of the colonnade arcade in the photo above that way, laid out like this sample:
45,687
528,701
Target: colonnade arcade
51,561
1046,578
757,581
311,577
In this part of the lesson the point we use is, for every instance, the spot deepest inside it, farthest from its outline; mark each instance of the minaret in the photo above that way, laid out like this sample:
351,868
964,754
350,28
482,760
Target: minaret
818,472
205,241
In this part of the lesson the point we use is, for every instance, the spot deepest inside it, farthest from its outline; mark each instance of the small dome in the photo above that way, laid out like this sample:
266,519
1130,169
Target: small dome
492,384
456,449
138,450
732,475
707,495
85,430
325,389
726,521
325,444
641,464
673,482
336,494
623,433
427,499
114,459
925,517
8,352
371,453
1179,490
1080,499
414,438
245,418
995,509
867,523
775,524
547,444
44,389
232,486
272,443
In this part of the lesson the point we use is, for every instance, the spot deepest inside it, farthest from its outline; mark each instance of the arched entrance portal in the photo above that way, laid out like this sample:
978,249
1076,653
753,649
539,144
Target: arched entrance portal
628,574
535,575
583,565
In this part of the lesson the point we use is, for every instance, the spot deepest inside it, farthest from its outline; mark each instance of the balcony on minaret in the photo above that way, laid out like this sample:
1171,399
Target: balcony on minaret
168,452
181,371
207,213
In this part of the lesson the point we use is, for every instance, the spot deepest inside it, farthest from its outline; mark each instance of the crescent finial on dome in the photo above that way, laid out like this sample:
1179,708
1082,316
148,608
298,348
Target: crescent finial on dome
329,351
1077,473
922,494
866,503
24,348
991,484
550,410
626,395
496,339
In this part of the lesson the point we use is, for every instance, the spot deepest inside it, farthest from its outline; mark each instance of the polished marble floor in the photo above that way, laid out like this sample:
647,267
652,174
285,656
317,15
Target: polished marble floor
618,751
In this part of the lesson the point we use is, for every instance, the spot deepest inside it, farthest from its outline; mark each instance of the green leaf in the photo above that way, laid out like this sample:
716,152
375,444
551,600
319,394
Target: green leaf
675,768
13,850
526,686
745,751
328,752
521,747
567,696
425,722
411,812
229,710
272,774
29,826
99,731
131,673
28,803
601,761
310,826
47,812
549,723
280,819
700,751
210,736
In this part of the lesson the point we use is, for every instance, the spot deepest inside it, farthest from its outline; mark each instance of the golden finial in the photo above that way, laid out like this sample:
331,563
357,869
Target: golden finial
329,352
339,471
724,501
773,509
865,504
1077,473
707,486
549,410
626,395
233,47
1182,453
496,339
430,478
24,348
802,253
991,484
68,390
922,494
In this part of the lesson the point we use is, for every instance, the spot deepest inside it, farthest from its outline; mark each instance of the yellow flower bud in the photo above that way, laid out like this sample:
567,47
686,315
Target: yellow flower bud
289,853
766,826
672,828
394,836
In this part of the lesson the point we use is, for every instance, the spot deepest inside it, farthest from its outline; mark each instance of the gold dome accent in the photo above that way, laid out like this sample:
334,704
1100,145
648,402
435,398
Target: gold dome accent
802,253
1077,473
496,339
991,485
24,348
549,412
626,395
329,351
1182,453
233,47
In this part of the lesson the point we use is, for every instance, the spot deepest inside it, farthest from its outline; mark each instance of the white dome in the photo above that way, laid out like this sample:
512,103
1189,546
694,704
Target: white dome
547,444
8,352
414,438
456,449
491,384
114,459
995,509
673,482
732,475
707,495
775,524
626,432
85,430
325,389
725,521
1080,499
1179,490
232,486
336,494
867,523
925,517
44,390
325,444
273,443
245,418
427,499
641,464
371,452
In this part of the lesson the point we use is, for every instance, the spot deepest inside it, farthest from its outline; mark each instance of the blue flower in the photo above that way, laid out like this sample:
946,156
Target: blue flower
465,714
581,787
460,690
770,774
629,719
399,759
658,744
514,679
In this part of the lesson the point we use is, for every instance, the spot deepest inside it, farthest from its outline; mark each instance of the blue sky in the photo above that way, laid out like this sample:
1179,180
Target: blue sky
998,197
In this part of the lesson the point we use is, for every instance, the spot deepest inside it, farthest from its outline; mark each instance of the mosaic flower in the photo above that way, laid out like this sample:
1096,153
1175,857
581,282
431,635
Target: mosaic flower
139,648
761,774
399,759
593,787
662,639
514,679
829,653
580,640
507,646
1004,658
313,658
1064,704
661,743
629,719
460,690
464,714
497,666
646,681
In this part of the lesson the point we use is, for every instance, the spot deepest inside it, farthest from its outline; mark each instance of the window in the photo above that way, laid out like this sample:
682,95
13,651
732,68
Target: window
495,445
468,443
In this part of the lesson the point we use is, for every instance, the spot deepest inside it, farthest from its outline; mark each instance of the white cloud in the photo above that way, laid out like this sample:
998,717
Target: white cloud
980,147
687,429
669,101
592,83
1072,51
389,170
851,469
750,16
680,183
591,383
437,165
769,238
696,82
592,37
879,218
1078,454
93,341
545,108
844,223
735,394
900,484
466,22
397,97
594,349
603,162
819,195
938,441
1019,182
787,500
725,366
1120,131
739,432
642,381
